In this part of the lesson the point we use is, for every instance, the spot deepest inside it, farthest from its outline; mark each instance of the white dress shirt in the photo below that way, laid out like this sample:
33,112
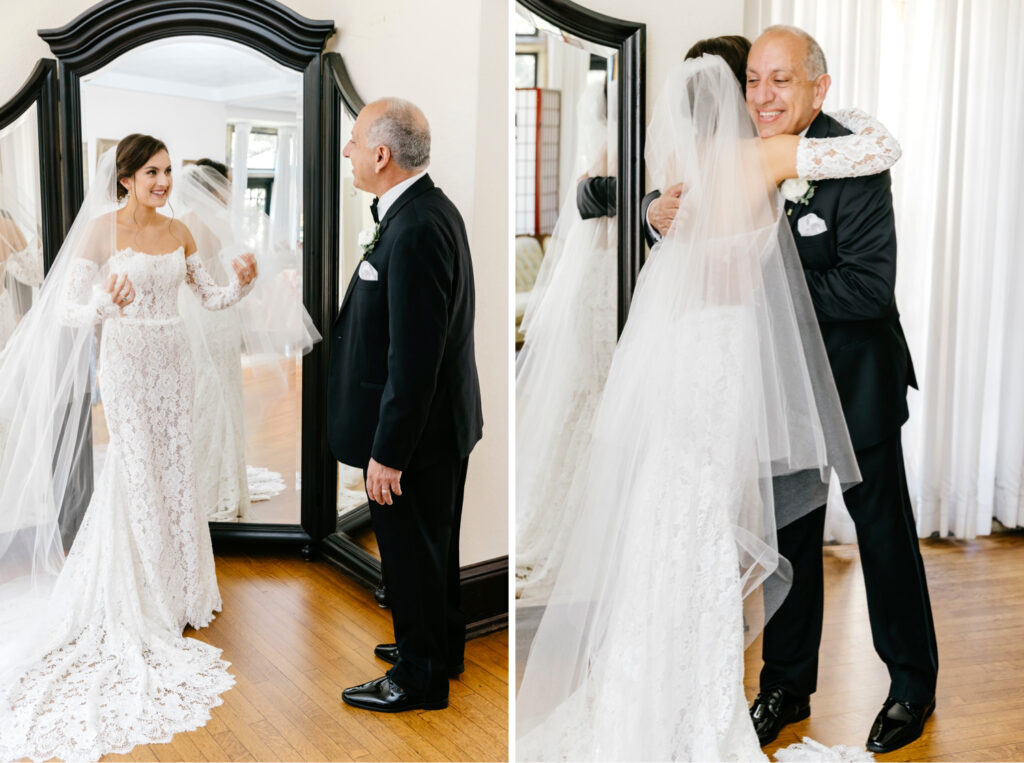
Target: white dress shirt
391,195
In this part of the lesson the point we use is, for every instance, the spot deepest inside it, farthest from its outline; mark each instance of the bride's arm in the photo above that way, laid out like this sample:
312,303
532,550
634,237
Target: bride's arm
200,281
869,150
85,301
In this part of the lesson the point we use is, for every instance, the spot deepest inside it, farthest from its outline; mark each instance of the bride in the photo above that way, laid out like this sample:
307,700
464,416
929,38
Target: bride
92,658
569,326
719,386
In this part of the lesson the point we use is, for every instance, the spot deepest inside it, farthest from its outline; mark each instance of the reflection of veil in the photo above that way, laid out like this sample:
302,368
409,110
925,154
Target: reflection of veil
21,259
570,332
592,159
728,263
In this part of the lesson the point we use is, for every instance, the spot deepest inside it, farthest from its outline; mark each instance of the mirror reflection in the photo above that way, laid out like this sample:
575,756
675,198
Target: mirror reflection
228,107
355,216
566,271
21,255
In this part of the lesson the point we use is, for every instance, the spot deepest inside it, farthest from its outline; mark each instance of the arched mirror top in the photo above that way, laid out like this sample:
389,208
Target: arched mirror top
39,85
103,32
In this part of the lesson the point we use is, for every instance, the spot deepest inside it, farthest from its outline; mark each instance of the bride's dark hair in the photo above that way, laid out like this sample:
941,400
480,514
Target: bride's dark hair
132,154
733,49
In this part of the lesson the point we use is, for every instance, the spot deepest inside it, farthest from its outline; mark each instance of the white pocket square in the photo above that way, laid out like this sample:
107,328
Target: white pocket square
367,272
811,225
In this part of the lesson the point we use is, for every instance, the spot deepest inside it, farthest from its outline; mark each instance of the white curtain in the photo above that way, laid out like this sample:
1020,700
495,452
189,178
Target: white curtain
947,78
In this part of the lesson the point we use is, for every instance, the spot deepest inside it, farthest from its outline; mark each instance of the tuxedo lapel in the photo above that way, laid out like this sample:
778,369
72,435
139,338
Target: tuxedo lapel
418,188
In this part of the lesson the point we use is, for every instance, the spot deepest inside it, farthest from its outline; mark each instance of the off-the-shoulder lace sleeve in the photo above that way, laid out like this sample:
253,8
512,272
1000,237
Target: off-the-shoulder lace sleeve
870,150
26,266
84,301
212,296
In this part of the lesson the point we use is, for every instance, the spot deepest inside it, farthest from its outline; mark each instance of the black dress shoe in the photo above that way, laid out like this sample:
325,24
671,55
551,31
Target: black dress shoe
897,724
389,653
383,695
775,708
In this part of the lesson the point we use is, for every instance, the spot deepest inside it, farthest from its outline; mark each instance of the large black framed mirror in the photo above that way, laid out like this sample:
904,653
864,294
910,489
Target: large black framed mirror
625,43
275,102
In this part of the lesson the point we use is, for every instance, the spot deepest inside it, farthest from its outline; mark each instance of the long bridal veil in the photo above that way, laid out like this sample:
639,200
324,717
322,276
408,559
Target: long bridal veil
726,282
48,370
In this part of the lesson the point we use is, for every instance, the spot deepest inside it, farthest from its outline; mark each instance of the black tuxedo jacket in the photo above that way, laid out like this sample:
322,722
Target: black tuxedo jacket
851,274
403,385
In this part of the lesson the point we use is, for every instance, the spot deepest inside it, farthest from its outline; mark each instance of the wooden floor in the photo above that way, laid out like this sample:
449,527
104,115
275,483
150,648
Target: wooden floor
297,633
977,595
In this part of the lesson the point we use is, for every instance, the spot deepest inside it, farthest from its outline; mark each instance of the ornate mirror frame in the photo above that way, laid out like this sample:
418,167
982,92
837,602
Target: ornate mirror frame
628,39
111,28
41,89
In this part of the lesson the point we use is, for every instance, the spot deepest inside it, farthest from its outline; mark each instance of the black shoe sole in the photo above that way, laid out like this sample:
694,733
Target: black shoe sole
800,715
880,748
440,704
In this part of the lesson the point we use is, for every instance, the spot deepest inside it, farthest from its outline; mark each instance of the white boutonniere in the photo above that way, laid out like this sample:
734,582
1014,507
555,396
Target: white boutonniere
368,238
797,190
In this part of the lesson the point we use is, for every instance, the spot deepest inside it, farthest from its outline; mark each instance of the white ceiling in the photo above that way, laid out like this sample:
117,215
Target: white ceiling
208,69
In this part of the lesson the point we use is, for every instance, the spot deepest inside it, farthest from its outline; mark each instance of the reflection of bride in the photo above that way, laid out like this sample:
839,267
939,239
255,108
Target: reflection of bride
92,659
569,329
719,384
21,260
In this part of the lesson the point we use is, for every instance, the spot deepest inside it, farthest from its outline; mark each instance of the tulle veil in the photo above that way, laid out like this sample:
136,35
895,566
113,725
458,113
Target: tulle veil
570,331
49,368
729,249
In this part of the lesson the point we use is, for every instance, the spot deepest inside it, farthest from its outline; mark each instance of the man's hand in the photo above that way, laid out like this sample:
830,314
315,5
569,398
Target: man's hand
663,209
381,482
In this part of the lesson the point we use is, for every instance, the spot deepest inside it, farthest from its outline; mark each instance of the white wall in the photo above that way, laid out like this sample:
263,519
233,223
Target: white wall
451,59
193,128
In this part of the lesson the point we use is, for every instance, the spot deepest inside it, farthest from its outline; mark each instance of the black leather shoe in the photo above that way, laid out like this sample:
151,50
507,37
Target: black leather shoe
897,724
775,708
389,653
383,695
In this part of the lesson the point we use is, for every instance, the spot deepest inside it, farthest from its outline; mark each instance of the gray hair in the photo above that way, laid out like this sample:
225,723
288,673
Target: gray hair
405,131
814,61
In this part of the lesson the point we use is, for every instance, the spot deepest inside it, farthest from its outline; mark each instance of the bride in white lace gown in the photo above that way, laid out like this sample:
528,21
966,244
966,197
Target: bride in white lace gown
718,384
99,664
570,338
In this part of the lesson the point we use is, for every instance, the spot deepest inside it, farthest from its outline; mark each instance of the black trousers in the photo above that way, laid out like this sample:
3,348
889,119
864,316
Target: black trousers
418,537
894,577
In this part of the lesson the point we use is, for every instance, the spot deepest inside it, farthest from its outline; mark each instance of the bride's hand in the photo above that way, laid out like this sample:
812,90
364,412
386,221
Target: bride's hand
245,268
120,288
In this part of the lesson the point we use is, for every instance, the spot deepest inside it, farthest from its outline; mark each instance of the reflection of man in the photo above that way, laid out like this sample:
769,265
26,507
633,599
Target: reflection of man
404,400
846,238
595,197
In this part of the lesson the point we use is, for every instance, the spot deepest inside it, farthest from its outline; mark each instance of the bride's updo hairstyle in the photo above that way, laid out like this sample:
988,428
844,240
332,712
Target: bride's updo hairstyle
132,154
732,49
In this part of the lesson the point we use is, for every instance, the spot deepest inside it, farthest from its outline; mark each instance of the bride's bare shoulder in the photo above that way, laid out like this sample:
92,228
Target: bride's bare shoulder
181,232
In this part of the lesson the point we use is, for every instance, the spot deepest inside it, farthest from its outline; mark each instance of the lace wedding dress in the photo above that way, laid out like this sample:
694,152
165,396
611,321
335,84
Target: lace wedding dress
719,383
112,669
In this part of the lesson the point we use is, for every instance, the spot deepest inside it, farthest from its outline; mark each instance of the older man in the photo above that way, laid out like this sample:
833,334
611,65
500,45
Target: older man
404,400
845,234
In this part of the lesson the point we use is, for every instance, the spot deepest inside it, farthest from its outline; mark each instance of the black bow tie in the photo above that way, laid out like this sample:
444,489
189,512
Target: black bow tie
373,209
